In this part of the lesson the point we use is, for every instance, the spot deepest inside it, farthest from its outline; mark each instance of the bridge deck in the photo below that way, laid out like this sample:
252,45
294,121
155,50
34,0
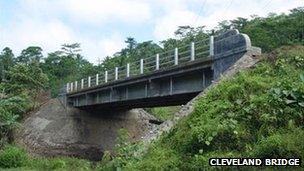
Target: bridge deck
156,85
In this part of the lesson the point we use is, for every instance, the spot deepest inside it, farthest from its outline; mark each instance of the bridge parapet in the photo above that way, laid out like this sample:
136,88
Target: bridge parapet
162,61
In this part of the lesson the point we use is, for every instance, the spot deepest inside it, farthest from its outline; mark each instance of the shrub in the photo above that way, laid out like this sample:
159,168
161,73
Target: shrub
58,163
157,158
12,157
163,113
11,110
281,145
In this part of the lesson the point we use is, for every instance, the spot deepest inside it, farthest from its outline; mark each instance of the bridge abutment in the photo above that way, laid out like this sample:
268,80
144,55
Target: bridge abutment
58,131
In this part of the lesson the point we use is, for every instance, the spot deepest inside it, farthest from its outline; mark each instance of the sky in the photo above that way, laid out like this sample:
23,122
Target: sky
101,26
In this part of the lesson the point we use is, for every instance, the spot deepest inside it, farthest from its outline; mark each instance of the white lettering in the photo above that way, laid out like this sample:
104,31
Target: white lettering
213,162
258,162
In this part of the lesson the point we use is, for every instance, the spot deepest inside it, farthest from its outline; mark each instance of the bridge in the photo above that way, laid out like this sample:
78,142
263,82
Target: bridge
172,77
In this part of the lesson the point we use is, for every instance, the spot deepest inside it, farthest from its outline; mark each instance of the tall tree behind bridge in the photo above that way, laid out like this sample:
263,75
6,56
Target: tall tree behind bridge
32,54
6,61
272,31
66,65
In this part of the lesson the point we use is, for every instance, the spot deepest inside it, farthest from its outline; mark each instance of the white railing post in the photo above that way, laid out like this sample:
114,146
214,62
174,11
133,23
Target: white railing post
116,73
157,62
72,86
97,79
68,87
128,70
211,49
89,81
106,76
82,83
76,86
141,66
175,56
192,51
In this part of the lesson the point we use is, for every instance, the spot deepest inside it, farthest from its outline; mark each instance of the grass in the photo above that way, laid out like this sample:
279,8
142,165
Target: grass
258,113
163,113
15,158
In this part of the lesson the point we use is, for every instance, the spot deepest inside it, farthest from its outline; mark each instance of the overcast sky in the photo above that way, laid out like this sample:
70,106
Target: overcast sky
101,26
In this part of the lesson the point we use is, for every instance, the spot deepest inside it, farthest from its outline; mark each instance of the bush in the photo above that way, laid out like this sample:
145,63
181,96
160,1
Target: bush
164,113
12,109
285,145
12,157
59,163
157,158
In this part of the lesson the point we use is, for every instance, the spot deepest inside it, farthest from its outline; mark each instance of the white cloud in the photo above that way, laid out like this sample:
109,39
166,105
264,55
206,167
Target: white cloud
231,9
95,50
178,12
96,11
49,35
166,26
52,34
91,11
50,24
112,44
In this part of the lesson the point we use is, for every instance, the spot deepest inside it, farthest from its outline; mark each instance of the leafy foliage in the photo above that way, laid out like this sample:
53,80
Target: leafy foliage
163,113
21,78
125,151
32,54
11,110
258,113
6,61
281,145
12,157
272,31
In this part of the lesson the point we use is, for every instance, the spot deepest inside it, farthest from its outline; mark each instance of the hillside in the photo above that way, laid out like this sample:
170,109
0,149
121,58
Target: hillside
258,113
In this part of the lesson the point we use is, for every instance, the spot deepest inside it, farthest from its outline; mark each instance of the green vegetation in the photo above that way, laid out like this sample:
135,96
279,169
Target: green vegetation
259,113
12,156
163,113
15,157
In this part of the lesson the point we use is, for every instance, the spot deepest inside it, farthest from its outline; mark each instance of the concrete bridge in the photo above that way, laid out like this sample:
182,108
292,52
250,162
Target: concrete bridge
170,78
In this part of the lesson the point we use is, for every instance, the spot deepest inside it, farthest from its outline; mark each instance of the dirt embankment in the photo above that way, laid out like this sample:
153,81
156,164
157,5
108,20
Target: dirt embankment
55,130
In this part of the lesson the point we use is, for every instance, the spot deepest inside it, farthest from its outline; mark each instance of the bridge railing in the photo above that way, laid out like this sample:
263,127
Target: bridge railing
161,61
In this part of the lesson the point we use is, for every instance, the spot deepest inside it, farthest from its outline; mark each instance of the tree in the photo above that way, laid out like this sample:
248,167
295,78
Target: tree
184,31
71,50
131,43
145,49
22,78
30,55
6,61
239,23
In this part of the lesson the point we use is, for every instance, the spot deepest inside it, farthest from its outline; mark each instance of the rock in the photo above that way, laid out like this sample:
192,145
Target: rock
58,131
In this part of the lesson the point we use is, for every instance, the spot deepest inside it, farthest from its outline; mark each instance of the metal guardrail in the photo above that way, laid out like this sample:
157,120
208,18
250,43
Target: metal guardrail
160,61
